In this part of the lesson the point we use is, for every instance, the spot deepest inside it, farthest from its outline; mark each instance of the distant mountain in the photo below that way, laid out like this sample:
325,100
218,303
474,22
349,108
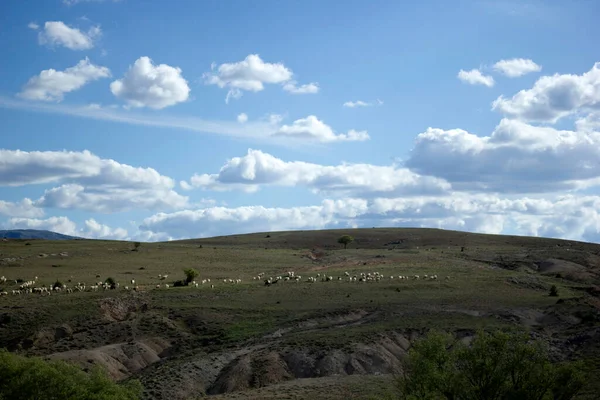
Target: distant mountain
34,234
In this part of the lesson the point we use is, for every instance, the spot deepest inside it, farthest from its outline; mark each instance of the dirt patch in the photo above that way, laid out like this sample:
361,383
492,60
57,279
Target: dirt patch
121,360
529,282
566,270
267,367
121,309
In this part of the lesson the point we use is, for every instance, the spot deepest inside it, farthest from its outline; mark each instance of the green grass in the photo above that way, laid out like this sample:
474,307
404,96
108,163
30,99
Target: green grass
198,320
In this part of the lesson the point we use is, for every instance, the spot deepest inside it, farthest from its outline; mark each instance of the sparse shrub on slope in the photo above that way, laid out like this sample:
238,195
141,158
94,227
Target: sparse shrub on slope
111,282
190,274
33,378
495,366
554,291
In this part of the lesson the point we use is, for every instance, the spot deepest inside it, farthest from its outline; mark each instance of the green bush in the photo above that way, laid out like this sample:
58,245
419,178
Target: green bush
111,282
496,366
33,378
190,274
345,240
58,284
554,291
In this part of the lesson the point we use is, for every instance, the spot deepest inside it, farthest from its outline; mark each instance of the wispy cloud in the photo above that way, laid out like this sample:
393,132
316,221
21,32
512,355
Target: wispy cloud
256,130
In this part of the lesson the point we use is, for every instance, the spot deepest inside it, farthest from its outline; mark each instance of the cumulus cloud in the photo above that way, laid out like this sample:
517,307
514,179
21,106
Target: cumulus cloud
25,208
251,75
475,77
313,129
242,118
51,85
516,157
89,182
360,103
57,33
516,67
55,224
149,85
554,97
257,168
92,229
309,88
572,217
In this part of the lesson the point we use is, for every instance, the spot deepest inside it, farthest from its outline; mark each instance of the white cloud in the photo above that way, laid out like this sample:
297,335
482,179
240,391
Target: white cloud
51,85
516,67
55,224
589,123
33,25
89,182
258,130
256,169
92,229
25,208
475,77
242,118
309,88
554,97
251,75
516,157
313,129
572,217
96,230
57,33
110,199
147,85
360,103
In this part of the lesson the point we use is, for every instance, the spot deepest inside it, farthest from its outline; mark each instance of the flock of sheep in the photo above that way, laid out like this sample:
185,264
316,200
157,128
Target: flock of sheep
32,286
361,277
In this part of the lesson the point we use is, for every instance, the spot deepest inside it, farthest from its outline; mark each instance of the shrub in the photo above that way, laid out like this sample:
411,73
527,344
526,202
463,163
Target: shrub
345,240
58,284
33,378
496,366
554,291
180,283
111,282
190,274
136,246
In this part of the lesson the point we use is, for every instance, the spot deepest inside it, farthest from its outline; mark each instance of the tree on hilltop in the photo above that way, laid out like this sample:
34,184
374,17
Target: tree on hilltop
345,240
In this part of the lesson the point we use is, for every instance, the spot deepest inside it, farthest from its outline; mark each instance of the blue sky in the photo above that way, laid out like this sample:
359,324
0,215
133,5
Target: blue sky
159,120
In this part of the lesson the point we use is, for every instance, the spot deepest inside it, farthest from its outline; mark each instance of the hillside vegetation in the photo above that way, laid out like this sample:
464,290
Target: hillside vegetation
293,339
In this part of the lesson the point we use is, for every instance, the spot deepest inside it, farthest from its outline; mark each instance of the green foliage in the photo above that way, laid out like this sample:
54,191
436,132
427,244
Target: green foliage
345,240
111,282
190,274
554,291
496,366
33,378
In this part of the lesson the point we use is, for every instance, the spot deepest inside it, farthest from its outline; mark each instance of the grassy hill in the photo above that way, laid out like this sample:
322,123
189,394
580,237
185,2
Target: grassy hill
335,339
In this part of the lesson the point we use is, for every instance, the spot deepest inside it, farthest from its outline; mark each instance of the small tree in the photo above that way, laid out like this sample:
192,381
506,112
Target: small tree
190,275
345,240
496,366
111,282
554,291
33,378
